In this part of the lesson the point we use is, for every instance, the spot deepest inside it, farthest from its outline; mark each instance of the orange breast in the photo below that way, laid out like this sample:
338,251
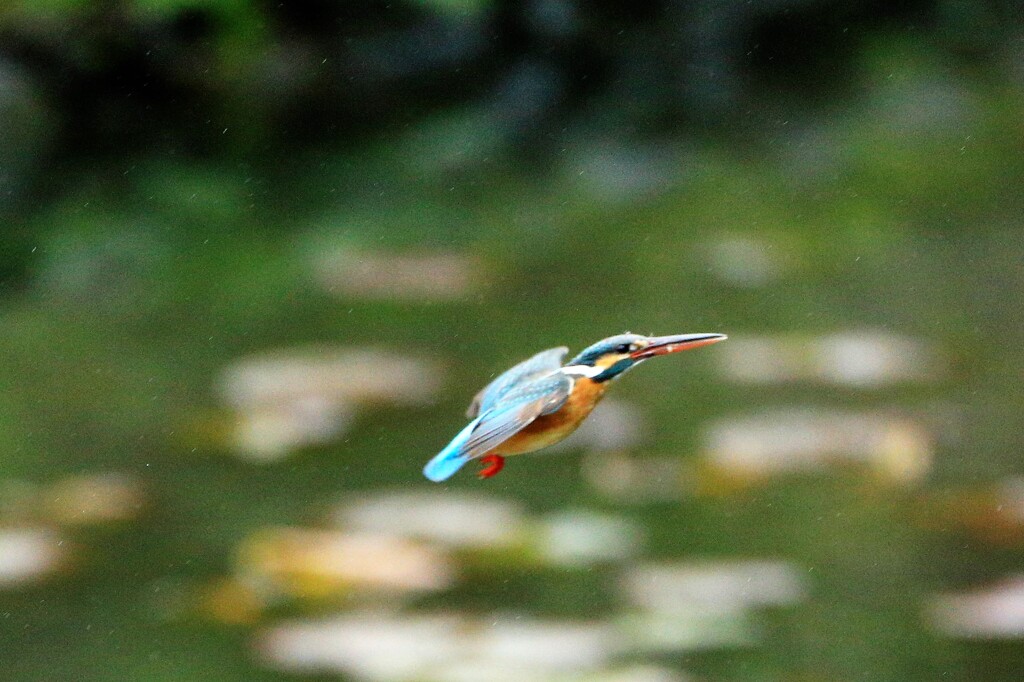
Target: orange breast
551,428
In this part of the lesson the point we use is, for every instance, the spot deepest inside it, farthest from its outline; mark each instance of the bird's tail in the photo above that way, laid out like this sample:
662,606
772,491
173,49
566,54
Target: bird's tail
445,463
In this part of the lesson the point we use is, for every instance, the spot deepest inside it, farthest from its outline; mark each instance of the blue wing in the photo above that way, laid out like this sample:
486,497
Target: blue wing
541,363
518,407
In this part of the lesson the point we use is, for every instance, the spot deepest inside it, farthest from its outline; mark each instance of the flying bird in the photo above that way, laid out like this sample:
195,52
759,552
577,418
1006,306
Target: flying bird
539,402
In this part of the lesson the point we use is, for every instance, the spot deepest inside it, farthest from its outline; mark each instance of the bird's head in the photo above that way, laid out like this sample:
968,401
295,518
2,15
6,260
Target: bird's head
616,354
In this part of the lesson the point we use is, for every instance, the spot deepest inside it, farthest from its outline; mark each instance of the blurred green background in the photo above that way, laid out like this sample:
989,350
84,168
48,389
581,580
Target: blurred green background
258,256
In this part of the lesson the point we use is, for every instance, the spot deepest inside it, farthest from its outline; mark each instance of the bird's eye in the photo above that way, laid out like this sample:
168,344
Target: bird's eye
625,348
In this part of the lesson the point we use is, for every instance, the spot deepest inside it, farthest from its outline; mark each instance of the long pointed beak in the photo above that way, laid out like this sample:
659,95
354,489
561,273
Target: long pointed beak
663,345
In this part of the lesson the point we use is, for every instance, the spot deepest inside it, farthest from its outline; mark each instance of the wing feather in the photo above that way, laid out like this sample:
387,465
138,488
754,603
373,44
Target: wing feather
541,363
517,409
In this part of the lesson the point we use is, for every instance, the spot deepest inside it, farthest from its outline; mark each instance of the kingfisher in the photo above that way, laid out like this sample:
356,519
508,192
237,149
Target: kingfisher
539,402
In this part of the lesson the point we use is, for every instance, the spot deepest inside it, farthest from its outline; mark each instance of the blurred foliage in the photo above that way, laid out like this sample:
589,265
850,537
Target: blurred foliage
97,87
241,77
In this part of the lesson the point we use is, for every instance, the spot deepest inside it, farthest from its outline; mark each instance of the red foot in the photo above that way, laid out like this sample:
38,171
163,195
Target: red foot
495,463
